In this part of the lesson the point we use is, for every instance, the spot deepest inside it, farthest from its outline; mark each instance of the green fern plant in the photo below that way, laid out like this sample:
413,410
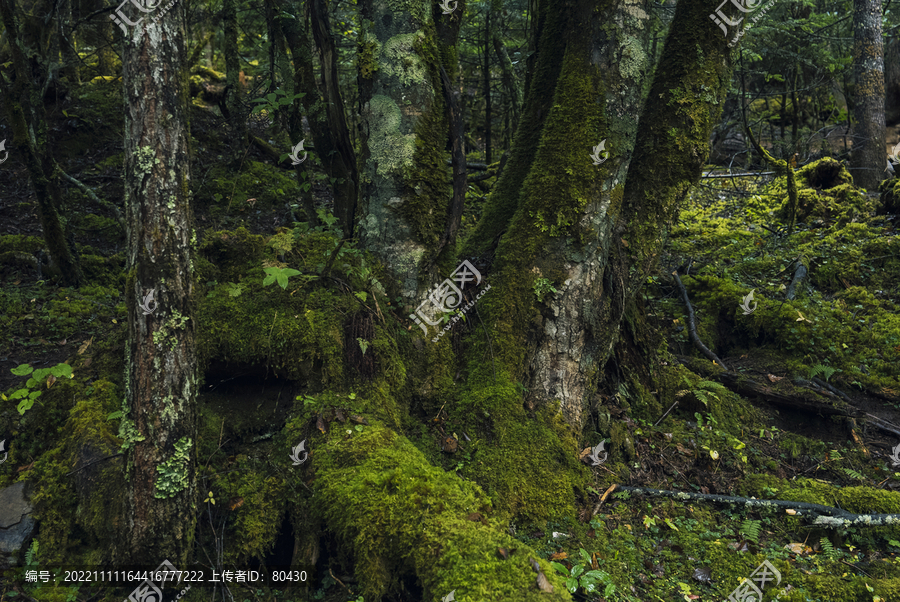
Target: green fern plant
751,528
830,551
826,371
704,390
856,475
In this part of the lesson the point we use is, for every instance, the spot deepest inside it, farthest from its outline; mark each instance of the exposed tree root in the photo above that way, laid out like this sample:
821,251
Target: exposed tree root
826,516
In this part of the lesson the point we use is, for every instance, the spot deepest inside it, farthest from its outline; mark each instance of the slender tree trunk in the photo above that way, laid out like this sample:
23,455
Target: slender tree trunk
868,158
486,69
233,90
161,391
71,62
509,82
336,154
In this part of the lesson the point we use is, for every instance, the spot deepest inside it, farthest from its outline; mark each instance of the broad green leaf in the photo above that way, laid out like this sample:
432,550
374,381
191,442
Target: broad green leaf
22,370
61,370
19,394
572,584
40,375
34,395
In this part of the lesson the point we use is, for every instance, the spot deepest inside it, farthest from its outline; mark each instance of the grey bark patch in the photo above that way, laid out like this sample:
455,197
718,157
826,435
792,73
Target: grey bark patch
16,525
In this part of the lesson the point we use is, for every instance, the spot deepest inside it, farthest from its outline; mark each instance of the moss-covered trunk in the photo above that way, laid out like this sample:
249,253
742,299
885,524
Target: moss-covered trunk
564,220
159,426
404,187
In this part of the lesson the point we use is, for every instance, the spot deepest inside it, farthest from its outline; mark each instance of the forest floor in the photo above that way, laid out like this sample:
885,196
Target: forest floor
789,440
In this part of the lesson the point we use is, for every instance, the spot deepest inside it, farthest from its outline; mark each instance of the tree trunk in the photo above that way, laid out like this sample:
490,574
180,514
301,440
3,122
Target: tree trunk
555,218
509,82
868,157
161,382
405,187
486,71
234,90
336,153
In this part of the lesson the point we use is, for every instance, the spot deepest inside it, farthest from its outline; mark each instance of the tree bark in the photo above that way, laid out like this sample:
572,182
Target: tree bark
868,156
405,183
159,428
234,90
336,150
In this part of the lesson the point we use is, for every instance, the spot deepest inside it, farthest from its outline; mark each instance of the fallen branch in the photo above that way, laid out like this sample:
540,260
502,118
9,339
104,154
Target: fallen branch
91,195
692,326
826,516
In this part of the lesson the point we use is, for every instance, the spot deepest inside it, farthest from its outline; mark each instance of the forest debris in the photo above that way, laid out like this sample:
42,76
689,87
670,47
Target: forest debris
542,582
356,419
692,326
449,445
774,379
826,516
799,274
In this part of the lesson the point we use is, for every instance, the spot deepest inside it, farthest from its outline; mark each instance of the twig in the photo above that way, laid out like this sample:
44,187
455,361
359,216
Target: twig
692,327
671,407
90,193
740,175
341,582
95,462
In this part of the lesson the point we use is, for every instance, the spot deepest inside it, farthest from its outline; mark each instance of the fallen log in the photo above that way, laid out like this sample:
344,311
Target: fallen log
826,516
746,386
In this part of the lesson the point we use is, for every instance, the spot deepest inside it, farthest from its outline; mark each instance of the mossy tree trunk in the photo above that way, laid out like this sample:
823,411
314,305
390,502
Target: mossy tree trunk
868,159
405,193
23,100
555,219
161,381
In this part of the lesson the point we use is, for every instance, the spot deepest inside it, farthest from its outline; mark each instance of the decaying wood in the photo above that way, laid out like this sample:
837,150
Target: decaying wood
692,326
826,516
799,275
748,387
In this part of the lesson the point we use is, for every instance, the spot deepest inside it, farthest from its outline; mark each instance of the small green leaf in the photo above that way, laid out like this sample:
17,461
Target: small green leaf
19,394
22,370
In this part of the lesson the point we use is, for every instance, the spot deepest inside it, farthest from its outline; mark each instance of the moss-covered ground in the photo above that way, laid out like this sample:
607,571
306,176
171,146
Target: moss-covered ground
331,360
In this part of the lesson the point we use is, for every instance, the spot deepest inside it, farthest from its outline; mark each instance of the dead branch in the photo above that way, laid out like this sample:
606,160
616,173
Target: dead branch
692,326
826,516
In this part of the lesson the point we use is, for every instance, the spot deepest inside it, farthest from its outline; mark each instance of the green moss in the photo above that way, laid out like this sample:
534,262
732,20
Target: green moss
386,499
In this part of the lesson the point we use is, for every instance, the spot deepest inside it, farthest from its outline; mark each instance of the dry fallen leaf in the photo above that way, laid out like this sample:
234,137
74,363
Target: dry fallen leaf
773,378
559,556
790,511
85,345
50,380
62,342
235,503
44,341
798,548
26,467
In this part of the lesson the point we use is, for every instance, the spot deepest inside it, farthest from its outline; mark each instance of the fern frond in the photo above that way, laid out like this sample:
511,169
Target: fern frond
751,528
